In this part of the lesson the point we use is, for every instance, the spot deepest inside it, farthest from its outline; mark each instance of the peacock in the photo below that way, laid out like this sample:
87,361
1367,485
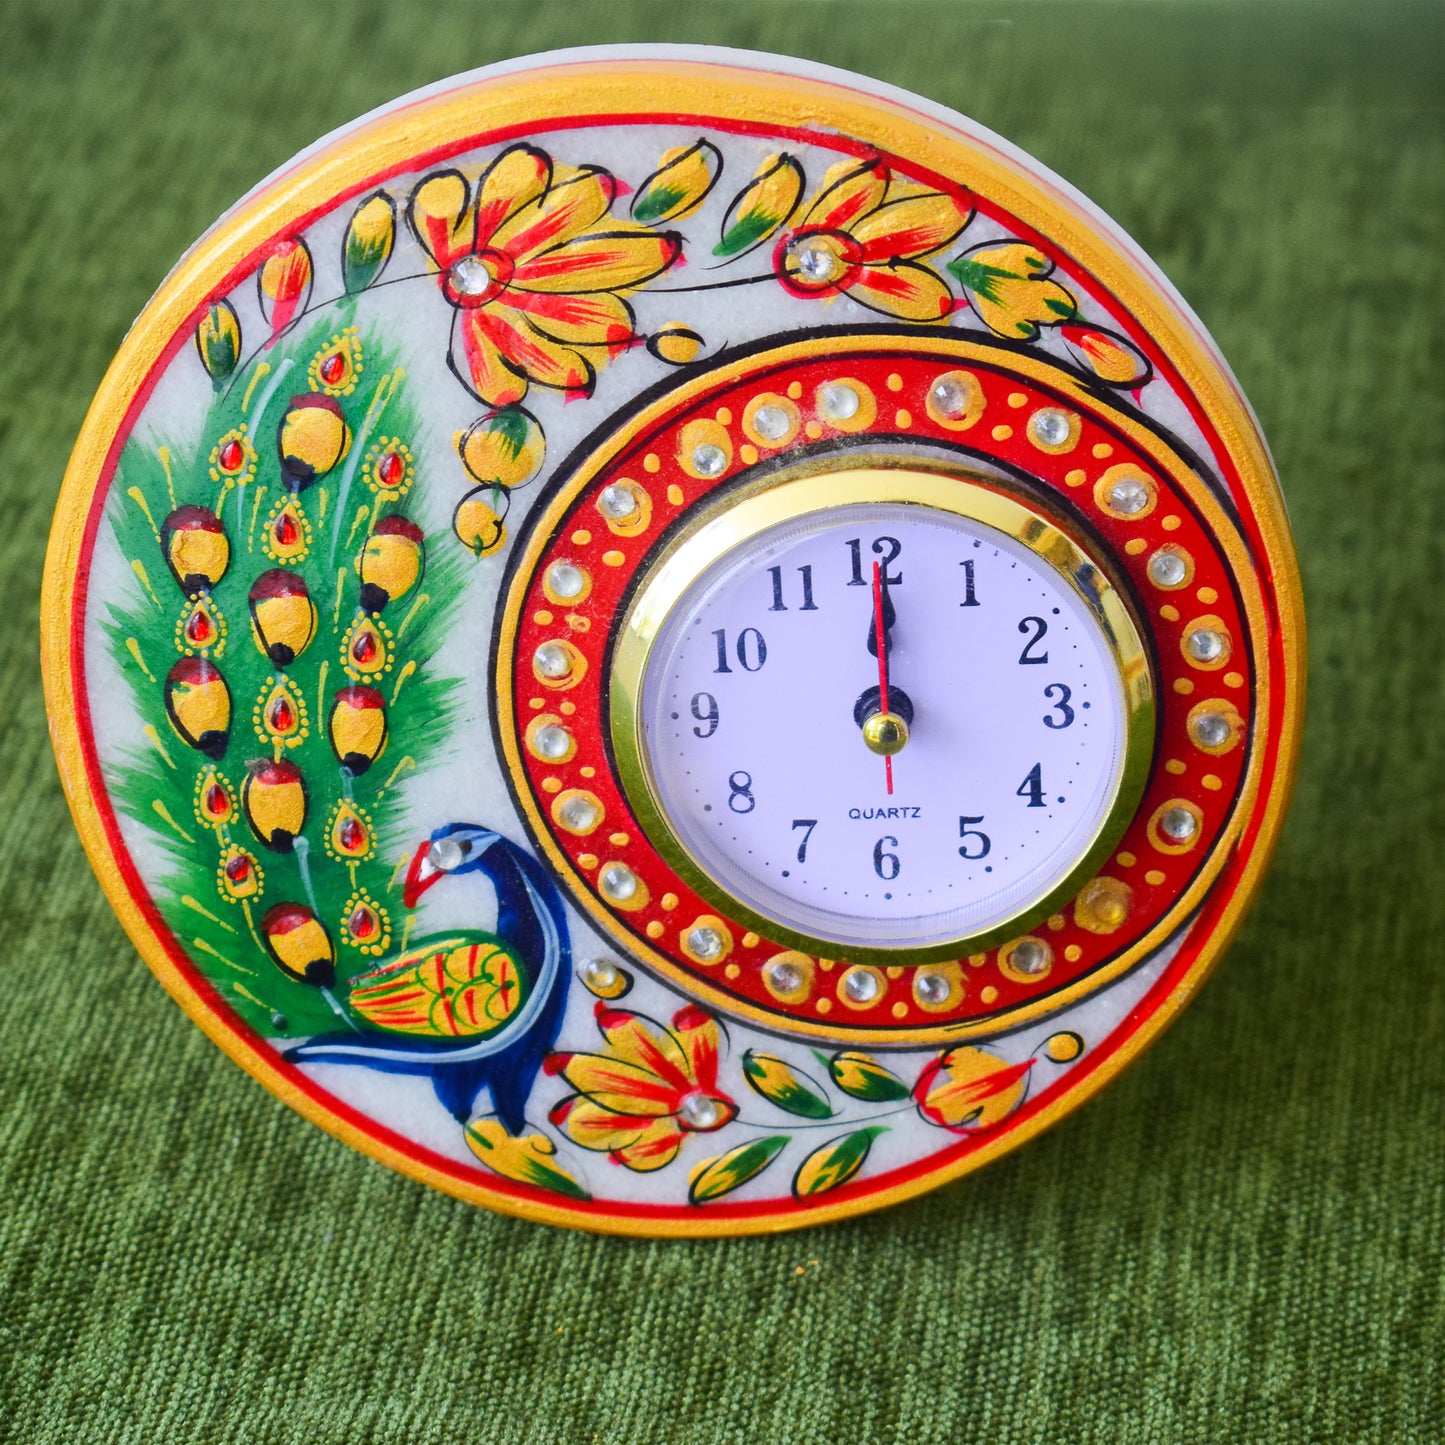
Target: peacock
280,641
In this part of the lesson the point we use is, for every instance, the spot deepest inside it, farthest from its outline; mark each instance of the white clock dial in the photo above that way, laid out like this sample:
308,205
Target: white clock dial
765,668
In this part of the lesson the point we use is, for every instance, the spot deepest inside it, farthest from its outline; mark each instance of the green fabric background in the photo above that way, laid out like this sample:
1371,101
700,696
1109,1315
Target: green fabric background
1240,1241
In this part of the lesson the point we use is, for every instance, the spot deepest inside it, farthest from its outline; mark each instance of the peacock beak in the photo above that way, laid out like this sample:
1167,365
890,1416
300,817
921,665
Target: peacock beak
451,850
420,876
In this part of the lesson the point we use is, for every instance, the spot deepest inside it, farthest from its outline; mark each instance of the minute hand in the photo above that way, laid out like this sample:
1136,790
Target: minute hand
883,620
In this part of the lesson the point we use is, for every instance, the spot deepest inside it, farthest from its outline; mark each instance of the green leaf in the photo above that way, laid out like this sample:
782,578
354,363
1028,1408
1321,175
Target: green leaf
835,1163
721,1175
779,1083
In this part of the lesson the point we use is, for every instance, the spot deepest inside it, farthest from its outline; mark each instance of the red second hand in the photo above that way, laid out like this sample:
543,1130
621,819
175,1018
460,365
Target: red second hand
881,638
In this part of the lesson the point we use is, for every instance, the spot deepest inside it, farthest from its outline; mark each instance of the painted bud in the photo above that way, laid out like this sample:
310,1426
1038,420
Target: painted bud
369,239
312,438
283,284
283,617
274,799
196,547
679,185
358,727
390,563
299,944
198,703
505,448
218,340
478,519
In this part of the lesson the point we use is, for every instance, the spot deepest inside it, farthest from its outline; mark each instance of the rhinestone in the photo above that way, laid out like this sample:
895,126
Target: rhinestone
709,460
816,261
552,741
950,397
771,422
861,986
600,973
931,988
565,580
785,977
577,815
445,855
1168,569
705,943
470,276
1128,496
1050,427
1029,956
1204,645
617,502
552,660
618,882
1211,729
698,1111
1179,824
840,402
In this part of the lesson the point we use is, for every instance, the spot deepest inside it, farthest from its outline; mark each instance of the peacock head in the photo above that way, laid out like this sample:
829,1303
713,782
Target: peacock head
451,849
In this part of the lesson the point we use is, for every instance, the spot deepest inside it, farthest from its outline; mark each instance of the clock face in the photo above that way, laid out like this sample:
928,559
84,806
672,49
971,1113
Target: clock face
765,674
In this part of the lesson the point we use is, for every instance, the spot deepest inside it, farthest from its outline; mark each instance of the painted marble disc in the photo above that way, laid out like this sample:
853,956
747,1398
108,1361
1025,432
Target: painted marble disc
334,587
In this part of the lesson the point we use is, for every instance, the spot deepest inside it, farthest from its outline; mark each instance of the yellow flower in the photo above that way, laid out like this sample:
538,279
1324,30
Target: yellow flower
1009,287
653,1087
536,285
966,1089
862,235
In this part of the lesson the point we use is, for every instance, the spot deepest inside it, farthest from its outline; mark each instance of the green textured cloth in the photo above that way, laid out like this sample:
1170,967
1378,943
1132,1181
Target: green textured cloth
1241,1241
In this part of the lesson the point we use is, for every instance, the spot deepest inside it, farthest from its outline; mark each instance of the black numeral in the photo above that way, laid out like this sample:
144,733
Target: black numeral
752,651
1065,712
776,573
970,597
965,831
888,549
885,865
704,713
807,825
741,799
1035,628
1032,787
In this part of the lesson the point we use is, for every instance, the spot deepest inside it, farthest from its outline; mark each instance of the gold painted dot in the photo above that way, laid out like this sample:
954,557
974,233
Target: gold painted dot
1002,433
894,972
1207,595
1211,782
731,971
748,453
900,1010
751,940
1169,612
989,994
1102,450
551,785
1153,877
1064,1048
795,389
674,494
1135,545
581,538
724,416
655,929
613,559
1073,953
895,382
1234,679
587,860
1075,478
1175,766
824,1005
588,772
1183,685
1170,523
1057,922
652,462
568,707
618,840
977,960
669,901
903,419
826,964
535,703
1017,399
578,623
813,430
1127,860
543,618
